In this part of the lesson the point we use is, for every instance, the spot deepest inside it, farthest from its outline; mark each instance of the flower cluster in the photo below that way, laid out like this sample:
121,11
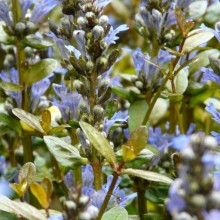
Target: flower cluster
195,192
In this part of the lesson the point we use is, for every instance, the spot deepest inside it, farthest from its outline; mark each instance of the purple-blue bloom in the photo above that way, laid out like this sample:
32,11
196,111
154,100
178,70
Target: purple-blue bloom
208,74
211,109
4,14
112,34
212,215
56,217
2,165
215,31
117,117
68,101
41,9
101,3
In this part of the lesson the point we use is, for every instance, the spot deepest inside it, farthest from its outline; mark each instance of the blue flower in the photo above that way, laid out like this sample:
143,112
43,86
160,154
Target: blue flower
56,217
112,34
41,9
175,203
12,77
25,5
4,14
101,3
208,74
37,90
5,188
215,31
181,142
68,102
211,109
2,165
184,3
117,117
212,215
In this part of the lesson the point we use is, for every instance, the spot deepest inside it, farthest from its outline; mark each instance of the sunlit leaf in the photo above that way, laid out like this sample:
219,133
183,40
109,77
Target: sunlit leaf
29,119
148,175
11,87
11,122
215,64
27,173
196,38
136,143
36,42
19,188
137,112
39,70
57,129
41,195
46,120
66,155
99,142
116,213
20,209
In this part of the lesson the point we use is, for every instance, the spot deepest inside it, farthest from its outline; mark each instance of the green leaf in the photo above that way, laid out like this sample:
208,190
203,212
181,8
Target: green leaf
11,87
36,42
136,143
39,71
157,194
197,9
215,64
99,142
57,129
31,120
40,194
201,97
66,155
195,39
20,209
148,175
7,216
137,111
116,213
12,123
27,173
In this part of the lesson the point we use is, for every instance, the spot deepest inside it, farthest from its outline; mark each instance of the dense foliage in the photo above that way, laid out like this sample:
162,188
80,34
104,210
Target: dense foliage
109,109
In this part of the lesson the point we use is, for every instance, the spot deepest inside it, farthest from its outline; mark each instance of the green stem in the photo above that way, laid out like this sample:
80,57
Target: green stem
20,56
108,196
77,173
146,118
96,165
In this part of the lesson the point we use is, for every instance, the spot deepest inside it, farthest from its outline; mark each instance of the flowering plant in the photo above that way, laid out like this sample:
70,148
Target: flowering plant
109,109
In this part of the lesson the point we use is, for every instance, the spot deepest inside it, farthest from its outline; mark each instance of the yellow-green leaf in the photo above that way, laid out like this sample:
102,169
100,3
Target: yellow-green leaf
148,175
19,188
11,87
27,173
31,120
41,195
20,209
99,142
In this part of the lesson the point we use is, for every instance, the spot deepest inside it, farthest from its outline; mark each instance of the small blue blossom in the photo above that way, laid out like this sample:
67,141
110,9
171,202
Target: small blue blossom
208,74
117,117
68,102
184,3
56,217
79,36
181,142
175,203
101,3
25,5
212,215
2,165
215,31
37,90
112,34
5,188
4,14
12,77
41,9
211,109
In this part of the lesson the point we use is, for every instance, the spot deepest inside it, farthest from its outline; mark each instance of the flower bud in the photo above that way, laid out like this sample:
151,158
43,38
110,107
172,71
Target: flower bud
139,84
97,32
70,205
103,20
31,27
83,200
198,201
20,27
214,200
82,22
89,66
210,143
98,113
